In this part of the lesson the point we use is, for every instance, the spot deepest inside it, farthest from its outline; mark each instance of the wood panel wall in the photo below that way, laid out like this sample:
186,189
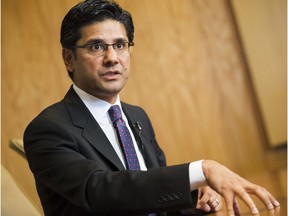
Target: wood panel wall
188,73
263,28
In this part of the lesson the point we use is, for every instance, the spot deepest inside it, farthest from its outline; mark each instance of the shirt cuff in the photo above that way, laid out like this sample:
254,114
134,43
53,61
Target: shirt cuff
196,175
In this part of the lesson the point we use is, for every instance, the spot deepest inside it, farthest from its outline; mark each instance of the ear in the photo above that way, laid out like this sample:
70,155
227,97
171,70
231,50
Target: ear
68,58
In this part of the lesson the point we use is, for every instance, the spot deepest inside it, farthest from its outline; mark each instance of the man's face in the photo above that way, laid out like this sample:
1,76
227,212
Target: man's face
102,76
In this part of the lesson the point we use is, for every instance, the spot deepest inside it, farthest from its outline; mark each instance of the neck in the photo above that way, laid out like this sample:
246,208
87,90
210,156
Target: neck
109,98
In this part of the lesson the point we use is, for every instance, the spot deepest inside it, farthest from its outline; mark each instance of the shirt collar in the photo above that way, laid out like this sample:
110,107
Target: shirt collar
96,106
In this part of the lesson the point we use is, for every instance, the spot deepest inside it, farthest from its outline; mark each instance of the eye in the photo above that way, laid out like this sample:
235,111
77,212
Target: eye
119,45
96,47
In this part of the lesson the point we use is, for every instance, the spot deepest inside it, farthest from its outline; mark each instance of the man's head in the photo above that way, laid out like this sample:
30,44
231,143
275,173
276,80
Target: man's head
96,37
88,12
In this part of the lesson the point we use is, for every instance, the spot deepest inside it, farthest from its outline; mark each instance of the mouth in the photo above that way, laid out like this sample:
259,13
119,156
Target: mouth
111,75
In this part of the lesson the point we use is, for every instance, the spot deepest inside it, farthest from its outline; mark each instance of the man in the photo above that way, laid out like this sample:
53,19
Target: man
92,154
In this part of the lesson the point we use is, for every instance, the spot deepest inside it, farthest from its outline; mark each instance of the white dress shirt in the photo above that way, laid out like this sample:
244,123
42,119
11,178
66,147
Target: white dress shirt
99,110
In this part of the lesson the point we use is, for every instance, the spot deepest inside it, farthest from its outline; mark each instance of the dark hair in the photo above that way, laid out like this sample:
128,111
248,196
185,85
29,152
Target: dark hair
88,12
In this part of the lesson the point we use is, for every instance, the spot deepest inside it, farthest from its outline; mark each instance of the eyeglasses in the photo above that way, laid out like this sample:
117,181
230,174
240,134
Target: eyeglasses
100,48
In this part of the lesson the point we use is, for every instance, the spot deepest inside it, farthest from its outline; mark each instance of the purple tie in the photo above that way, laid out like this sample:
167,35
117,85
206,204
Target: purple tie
124,137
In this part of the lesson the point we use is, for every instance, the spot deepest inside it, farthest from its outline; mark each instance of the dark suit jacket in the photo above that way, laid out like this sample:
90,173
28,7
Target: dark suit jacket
77,171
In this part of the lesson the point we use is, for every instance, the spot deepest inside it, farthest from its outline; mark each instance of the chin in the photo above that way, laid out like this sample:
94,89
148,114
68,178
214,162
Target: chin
116,88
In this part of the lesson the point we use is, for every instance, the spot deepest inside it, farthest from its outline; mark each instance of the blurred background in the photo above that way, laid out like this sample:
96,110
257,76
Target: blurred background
211,74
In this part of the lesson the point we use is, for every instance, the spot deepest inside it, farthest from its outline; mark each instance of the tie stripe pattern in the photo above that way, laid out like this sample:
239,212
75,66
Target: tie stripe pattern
124,137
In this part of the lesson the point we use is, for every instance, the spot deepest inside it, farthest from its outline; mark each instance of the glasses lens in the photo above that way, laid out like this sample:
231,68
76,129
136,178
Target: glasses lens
99,49
96,48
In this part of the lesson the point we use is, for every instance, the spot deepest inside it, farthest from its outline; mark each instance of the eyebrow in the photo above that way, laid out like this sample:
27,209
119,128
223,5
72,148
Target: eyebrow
95,41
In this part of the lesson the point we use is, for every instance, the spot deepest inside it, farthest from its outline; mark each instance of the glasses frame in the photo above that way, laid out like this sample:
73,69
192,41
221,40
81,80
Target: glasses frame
130,44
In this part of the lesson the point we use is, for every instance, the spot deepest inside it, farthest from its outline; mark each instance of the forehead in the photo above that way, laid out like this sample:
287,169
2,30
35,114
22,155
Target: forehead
108,30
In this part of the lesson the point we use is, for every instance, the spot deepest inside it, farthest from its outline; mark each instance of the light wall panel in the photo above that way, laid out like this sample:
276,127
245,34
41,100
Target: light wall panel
263,29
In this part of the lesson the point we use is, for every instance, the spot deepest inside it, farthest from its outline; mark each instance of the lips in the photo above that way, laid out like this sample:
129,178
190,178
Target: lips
111,75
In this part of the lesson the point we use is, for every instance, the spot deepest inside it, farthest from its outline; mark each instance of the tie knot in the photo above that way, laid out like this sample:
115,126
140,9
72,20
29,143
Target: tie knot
115,113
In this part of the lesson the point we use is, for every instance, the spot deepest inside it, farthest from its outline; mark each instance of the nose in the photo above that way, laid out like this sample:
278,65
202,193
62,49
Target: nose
110,56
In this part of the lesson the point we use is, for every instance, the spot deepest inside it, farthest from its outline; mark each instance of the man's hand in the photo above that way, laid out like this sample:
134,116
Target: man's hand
230,185
208,200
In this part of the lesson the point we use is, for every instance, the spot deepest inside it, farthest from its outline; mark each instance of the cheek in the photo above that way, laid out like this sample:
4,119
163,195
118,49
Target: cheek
127,73
126,64
89,66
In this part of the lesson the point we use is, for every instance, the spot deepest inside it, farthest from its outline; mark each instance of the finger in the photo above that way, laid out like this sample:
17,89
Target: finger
228,198
214,202
236,207
205,200
203,206
219,204
200,193
207,208
267,198
249,202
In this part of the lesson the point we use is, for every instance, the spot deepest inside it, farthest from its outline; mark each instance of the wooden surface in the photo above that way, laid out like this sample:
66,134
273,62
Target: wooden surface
263,29
279,211
188,72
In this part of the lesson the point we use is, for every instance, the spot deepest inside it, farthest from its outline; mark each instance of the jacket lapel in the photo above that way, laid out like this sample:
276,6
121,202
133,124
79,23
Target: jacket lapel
92,132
